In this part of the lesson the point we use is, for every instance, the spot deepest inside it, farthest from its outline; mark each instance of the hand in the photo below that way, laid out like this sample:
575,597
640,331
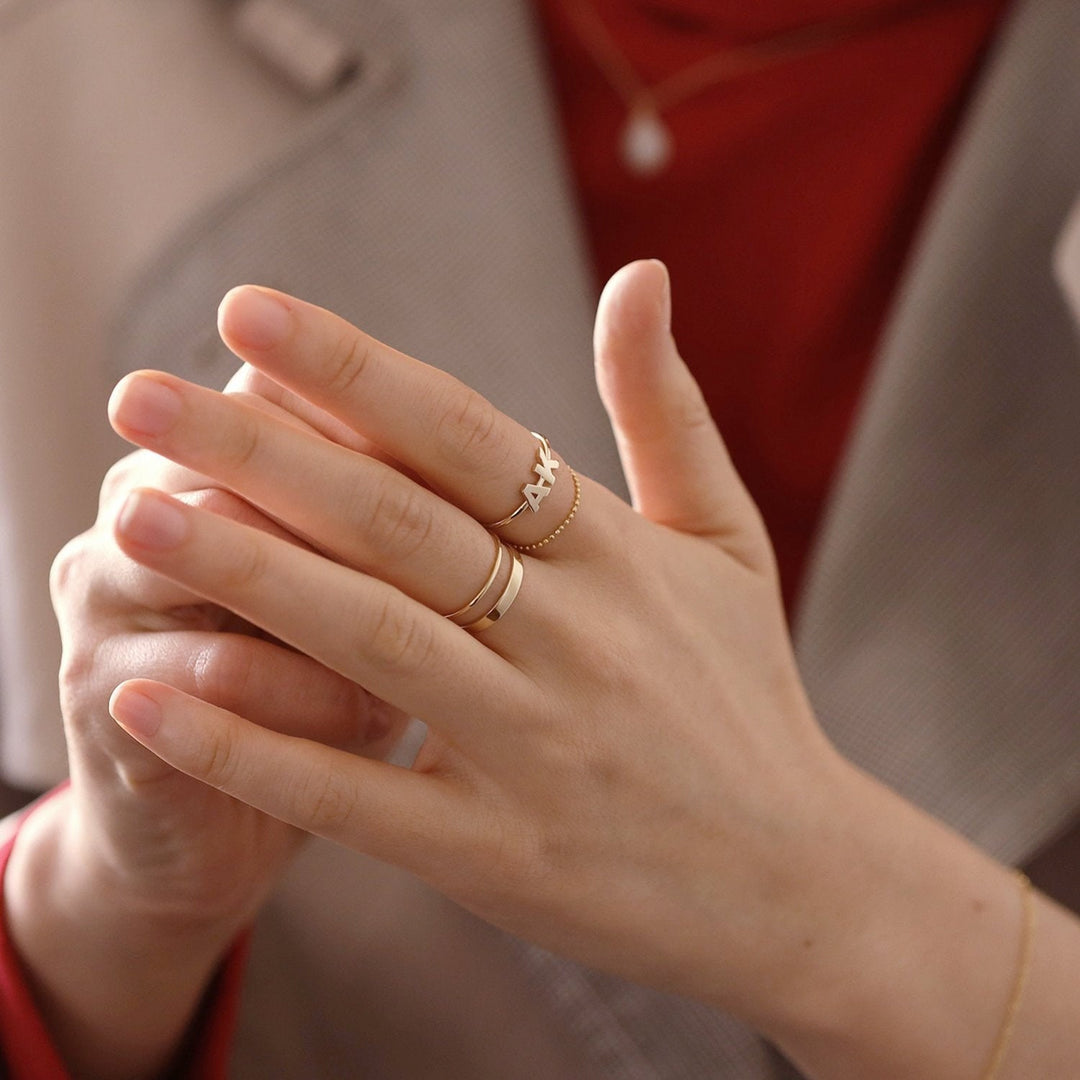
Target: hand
137,865
176,845
625,765
624,768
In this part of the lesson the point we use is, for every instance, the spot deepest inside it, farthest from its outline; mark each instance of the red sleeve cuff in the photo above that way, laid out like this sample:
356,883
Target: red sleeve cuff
27,1050
210,1046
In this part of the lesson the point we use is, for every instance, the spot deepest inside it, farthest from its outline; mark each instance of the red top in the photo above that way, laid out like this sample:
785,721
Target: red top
786,212
26,1048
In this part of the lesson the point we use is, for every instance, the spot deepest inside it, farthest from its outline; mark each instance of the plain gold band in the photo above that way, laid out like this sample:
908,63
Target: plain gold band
506,597
492,575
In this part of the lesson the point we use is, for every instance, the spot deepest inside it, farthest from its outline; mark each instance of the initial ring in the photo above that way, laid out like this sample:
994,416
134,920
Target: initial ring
535,493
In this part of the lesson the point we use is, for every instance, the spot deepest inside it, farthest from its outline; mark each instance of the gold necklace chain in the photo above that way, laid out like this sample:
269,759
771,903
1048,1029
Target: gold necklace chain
646,146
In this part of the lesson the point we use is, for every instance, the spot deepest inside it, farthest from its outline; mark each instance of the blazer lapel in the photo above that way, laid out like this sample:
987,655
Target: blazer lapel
939,635
427,203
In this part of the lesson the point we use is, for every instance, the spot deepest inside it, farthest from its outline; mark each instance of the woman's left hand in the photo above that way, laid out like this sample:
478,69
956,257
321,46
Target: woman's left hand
624,768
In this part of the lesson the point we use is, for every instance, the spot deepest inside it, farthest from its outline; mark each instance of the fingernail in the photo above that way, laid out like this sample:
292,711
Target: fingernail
147,406
134,712
253,317
152,521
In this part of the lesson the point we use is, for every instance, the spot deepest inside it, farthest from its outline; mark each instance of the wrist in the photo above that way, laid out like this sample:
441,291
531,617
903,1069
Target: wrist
117,984
65,867
911,965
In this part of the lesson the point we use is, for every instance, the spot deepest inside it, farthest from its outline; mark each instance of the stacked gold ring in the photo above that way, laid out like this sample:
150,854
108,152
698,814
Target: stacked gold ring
485,609
470,607
493,612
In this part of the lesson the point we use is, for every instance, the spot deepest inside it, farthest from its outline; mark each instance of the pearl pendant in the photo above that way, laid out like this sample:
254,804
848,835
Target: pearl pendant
647,145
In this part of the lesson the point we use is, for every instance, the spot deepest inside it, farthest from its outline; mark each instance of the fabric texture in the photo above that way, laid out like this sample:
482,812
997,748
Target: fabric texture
429,202
945,587
91,186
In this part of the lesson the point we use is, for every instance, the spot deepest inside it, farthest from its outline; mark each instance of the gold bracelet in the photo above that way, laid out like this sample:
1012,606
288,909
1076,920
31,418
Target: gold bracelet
1027,935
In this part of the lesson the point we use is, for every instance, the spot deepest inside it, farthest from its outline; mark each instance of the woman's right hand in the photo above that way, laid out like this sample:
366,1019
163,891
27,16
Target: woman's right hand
125,889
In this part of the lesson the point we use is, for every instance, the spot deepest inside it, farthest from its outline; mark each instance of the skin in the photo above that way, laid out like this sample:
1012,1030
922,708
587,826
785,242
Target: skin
124,891
673,814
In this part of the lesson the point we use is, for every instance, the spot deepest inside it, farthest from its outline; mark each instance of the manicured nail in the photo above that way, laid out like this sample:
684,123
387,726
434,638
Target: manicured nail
253,317
134,712
146,406
152,521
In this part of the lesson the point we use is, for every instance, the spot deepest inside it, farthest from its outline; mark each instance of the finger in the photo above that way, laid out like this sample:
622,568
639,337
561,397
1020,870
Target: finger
276,687
90,572
143,468
454,438
256,388
359,510
388,812
273,686
250,383
675,462
356,625
147,469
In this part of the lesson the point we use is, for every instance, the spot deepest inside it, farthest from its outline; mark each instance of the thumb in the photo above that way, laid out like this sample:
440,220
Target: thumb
675,462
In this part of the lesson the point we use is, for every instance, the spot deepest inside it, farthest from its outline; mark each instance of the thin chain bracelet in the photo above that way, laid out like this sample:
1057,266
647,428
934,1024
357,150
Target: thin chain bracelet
1023,969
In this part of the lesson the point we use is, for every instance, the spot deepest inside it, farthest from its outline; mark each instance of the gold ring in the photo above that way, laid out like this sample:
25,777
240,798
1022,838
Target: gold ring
506,597
562,525
535,494
489,581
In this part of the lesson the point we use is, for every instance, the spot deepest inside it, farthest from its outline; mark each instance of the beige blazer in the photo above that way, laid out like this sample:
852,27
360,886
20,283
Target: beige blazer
427,201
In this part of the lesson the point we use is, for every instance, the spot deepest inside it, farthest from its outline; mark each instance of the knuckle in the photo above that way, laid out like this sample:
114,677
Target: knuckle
222,672
119,478
691,411
217,501
327,808
83,579
399,642
143,467
65,568
79,676
622,666
401,521
216,758
518,851
468,425
240,442
347,364
248,570
514,854
684,413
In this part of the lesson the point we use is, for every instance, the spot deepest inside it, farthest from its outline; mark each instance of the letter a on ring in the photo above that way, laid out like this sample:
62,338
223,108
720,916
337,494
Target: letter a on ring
535,494
546,464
